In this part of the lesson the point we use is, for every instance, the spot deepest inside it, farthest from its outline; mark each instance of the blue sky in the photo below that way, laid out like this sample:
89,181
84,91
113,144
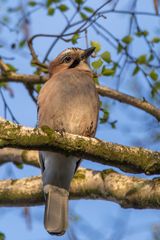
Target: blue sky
88,219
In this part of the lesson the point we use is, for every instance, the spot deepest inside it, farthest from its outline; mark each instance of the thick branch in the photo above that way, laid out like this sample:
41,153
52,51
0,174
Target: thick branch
103,91
129,192
130,159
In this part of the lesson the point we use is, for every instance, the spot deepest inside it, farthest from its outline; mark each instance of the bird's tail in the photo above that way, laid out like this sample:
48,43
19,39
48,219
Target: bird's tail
56,209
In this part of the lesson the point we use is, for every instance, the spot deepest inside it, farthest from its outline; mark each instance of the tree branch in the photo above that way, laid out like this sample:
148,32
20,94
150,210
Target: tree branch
18,156
129,192
125,98
4,67
23,78
103,91
129,159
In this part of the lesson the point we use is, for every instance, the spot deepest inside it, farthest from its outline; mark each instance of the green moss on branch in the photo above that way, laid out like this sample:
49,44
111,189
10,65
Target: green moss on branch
129,159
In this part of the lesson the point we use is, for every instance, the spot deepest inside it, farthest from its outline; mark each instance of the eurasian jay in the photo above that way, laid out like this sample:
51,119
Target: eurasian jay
68,102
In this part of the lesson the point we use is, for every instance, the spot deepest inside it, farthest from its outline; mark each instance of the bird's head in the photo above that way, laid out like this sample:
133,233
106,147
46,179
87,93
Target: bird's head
71,58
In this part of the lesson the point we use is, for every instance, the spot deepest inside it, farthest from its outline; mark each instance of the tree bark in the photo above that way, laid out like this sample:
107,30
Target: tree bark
129,159
18,156
129,192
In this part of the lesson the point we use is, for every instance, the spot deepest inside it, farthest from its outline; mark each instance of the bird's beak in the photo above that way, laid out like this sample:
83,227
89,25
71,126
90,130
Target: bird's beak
87,52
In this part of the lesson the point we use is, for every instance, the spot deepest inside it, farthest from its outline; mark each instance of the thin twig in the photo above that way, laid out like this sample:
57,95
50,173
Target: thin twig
6,107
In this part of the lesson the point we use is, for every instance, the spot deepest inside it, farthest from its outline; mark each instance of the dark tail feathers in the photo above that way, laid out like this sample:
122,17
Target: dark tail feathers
56,209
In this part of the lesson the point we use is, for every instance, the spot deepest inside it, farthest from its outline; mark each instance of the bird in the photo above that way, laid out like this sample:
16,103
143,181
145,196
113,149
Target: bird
67,102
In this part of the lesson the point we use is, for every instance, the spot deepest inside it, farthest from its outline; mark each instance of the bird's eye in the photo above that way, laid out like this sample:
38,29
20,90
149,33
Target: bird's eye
67,59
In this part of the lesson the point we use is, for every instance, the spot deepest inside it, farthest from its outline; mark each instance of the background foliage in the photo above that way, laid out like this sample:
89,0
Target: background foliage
126,36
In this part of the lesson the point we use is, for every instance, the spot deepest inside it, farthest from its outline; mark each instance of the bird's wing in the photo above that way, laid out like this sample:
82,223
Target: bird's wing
41,162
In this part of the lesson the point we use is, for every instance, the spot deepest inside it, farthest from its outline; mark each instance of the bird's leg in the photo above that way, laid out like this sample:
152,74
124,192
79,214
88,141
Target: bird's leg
61,131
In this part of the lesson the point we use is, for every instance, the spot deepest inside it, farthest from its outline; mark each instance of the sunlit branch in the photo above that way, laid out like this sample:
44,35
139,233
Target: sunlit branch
129,192
129,159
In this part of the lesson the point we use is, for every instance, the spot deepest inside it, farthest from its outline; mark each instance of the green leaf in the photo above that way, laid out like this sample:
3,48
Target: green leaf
141,59
135,71
106,56
151,57
19,165
142,33
113,124
38,88
105,116
83,16
107,71
115,66
75,38
79,2
88,9
22,43
51,11
96,45
11,68
32,3
96,80
97,64
127,39
145,33
155,89
49,2
63,8
2,236
153,75
119,48
155,40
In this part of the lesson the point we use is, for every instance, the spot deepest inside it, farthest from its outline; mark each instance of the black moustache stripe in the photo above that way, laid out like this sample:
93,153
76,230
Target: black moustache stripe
75,63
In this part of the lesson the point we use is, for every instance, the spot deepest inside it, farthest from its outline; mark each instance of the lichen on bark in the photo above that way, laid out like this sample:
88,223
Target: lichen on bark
128,159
